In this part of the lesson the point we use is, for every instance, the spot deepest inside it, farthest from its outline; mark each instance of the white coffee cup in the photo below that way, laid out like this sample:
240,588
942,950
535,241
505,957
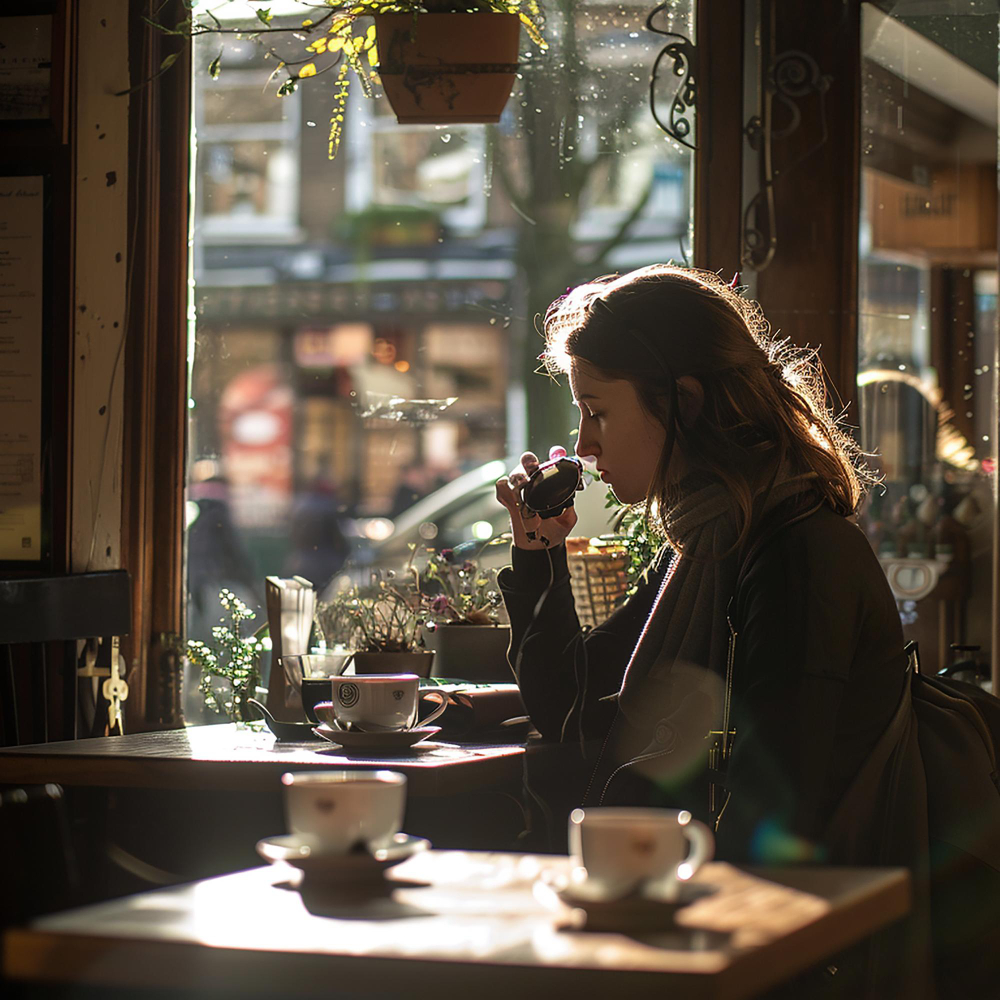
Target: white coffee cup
377,703
622,847
336,811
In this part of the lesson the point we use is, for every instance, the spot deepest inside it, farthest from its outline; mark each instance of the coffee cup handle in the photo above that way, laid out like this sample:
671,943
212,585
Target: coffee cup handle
442,700
703,848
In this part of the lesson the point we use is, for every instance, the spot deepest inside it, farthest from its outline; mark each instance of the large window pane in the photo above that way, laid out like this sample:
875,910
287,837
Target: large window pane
928,283
411,267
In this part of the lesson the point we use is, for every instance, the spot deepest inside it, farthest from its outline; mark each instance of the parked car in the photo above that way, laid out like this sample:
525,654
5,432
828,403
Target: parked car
463,513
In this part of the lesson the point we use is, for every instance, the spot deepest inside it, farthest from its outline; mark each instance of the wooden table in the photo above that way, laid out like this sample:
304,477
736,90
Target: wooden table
224,758
456,922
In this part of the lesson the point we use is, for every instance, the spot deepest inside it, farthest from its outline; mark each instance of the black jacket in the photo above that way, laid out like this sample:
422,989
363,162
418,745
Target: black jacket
818,673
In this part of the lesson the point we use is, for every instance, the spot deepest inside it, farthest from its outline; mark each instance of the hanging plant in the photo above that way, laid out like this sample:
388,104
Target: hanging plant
437,67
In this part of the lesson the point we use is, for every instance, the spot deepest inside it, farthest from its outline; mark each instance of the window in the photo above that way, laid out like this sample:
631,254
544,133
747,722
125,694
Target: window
248,155
410,267
927,381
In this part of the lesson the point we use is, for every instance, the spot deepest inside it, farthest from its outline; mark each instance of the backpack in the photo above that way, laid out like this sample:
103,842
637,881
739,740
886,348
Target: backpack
929,798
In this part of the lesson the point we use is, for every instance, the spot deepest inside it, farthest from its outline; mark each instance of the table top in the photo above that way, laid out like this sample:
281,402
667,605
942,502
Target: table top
454,919
225,758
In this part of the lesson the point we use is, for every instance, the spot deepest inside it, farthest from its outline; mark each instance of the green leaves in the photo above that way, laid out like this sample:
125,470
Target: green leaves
640,539
229,670
215,67
169,60
264,15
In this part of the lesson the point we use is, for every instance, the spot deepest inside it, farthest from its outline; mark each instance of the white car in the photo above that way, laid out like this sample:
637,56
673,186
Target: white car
466,513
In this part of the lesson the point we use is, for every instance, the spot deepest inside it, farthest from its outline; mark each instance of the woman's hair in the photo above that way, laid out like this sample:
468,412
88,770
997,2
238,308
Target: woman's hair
765,416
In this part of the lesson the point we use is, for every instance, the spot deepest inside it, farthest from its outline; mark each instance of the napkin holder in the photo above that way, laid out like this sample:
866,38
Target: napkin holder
290,605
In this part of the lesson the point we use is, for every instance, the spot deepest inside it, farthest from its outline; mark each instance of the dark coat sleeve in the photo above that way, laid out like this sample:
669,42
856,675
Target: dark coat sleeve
559,666
817,675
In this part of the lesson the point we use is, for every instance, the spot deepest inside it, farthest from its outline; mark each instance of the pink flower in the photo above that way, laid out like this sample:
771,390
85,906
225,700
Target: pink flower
439,605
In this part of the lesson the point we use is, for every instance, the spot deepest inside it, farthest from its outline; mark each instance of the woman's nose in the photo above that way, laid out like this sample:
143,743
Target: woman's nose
585,446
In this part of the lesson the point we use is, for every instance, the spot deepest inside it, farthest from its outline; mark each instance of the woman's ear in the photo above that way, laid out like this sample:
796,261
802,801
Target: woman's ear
690,399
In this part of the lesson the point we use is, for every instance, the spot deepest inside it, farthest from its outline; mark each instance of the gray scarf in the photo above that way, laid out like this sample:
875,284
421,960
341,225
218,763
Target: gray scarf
687,629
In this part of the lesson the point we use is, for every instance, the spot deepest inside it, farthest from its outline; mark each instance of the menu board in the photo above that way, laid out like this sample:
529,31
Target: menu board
25,67
21,238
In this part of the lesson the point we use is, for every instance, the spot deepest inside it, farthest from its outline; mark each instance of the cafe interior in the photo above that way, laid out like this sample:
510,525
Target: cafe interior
272,277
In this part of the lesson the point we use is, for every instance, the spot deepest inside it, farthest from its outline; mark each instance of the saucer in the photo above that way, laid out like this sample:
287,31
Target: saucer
351,867
645,908
357,740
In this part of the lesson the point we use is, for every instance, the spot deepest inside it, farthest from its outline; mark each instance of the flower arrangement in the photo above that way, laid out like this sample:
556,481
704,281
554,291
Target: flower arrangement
456,590
336,41
235,661
386,616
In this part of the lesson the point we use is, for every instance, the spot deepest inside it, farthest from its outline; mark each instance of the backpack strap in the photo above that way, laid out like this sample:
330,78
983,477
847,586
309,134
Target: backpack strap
866,793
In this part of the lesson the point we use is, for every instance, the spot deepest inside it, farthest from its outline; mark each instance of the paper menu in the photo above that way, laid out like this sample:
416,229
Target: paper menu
25,66
21,249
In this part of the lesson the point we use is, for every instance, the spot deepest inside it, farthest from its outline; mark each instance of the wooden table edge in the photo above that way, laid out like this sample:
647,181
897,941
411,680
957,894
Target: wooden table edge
750,970
43,957
106,771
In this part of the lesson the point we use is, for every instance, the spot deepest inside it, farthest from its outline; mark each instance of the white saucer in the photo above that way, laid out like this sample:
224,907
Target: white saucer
352,867
645,908
356,740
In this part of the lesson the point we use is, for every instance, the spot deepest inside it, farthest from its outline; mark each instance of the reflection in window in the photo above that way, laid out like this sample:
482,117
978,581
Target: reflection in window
927,318
411,266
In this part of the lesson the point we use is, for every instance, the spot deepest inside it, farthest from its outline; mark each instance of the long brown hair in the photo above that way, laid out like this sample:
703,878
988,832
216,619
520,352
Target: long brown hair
765,413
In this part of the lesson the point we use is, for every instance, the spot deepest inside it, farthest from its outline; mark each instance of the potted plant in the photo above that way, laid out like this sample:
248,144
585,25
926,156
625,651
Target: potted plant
438,61
466,623
380,623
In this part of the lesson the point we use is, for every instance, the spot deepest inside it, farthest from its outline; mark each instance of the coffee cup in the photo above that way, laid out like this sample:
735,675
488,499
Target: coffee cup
621,848
378,703
339,811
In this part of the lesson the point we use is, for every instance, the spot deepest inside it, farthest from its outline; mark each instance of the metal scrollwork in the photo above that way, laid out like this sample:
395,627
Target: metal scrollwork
792,76
684,56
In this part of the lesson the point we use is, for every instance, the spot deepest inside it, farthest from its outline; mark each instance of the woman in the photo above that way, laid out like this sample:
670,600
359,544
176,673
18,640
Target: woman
687,407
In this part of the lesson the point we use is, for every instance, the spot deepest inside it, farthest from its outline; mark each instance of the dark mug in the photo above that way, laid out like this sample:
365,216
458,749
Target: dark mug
314,690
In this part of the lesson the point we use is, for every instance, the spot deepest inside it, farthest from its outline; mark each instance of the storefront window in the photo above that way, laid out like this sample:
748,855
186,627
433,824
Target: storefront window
411,267
927,381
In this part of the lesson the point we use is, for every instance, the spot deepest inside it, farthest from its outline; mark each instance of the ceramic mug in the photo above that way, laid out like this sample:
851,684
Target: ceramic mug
378,703
622,847
338,811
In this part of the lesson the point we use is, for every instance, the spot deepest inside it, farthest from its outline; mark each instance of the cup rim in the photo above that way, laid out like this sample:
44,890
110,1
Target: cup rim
354,678
607,815
302,779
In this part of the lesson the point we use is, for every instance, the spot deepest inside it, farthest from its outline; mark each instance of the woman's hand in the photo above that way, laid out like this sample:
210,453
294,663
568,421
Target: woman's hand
529,530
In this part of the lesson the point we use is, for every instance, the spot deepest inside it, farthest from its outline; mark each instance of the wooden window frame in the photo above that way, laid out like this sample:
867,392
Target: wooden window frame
155,437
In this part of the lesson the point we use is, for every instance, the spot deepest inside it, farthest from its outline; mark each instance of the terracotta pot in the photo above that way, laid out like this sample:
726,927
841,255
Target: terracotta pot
446,69
418,662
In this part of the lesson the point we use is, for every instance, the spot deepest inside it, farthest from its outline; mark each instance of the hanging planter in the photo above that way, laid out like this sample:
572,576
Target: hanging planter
446,69
441,62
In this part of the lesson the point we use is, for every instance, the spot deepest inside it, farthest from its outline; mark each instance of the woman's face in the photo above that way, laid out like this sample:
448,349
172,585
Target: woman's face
614,427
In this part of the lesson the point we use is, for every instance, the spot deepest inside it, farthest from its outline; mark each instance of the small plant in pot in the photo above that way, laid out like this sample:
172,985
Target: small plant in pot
438,61
381,623
466,619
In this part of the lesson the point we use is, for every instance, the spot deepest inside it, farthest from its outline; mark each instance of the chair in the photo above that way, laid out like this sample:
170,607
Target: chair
38,611
42,874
